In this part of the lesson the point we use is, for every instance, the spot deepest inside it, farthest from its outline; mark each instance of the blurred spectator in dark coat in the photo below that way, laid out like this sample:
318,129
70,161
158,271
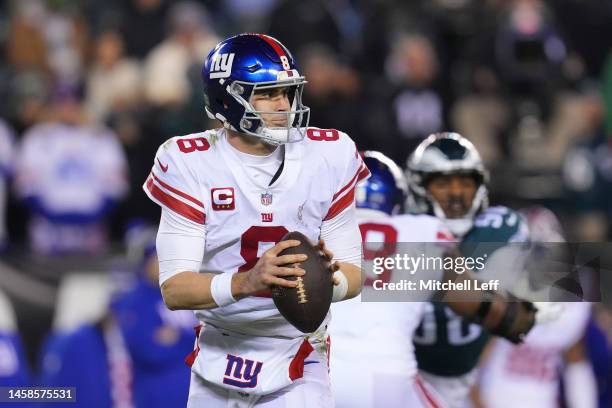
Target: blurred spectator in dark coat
333,92
114,82
587,29
6,172
523,111
311,22
143,25
418,107
607,95
245,15
587,172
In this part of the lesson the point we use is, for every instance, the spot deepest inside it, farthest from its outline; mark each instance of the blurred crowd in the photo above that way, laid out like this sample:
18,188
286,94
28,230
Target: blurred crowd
528,81
89,89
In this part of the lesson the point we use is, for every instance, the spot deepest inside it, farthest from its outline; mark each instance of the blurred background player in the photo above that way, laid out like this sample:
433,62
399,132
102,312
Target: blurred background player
70,174
530,374
447,179
374,339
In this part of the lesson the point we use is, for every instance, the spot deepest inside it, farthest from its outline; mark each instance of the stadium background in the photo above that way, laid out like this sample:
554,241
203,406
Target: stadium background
528,81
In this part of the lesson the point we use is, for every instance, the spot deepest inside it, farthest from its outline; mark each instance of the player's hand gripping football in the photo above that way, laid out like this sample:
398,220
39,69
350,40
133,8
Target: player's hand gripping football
269,270
328,256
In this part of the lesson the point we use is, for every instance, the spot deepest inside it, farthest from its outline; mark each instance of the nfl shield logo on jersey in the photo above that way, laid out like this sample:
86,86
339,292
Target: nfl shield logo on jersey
266,198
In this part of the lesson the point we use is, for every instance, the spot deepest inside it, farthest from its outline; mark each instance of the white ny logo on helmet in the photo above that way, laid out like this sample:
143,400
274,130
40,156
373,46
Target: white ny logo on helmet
221,66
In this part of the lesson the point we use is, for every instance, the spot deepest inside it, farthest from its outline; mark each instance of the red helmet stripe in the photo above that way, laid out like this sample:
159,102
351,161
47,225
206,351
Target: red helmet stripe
275,44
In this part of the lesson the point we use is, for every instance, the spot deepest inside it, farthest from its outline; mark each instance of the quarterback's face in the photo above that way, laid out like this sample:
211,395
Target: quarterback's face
275,101
454,193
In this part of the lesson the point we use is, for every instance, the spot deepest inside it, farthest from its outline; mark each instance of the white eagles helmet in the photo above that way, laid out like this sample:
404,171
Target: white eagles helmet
445,154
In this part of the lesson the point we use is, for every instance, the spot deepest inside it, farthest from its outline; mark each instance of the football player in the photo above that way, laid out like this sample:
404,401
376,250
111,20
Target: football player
529,375
448,180
372,357
228,196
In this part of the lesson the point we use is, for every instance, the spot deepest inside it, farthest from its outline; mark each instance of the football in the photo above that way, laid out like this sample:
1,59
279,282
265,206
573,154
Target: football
305,306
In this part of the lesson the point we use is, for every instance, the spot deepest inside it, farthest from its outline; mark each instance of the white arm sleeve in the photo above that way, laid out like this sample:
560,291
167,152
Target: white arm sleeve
180,245
342,237
581,386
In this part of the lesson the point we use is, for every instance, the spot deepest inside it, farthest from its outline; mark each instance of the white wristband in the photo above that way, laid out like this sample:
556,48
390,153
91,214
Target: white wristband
548,311
340,289
221,289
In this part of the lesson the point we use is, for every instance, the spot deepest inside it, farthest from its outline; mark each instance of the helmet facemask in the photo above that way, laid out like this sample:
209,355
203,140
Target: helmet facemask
252,122
460,226
422,200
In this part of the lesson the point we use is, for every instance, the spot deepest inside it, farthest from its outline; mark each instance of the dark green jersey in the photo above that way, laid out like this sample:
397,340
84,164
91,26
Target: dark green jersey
446,344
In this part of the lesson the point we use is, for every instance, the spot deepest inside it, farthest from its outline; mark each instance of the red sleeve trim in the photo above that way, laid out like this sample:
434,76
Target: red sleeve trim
177,192
341,205
175,205
348,185
364,173
444,236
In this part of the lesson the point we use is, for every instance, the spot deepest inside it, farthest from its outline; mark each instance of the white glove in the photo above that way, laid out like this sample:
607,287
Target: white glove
548,311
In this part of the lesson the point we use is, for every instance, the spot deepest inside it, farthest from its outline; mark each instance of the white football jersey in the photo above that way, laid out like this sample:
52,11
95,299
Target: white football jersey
201,177
527,375
375,338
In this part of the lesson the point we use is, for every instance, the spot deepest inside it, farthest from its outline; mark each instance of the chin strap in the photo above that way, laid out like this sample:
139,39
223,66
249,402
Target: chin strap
278,136
460,226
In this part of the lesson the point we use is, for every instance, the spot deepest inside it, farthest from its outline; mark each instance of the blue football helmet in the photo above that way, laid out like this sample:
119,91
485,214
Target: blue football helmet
241,65
445,153
386,188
